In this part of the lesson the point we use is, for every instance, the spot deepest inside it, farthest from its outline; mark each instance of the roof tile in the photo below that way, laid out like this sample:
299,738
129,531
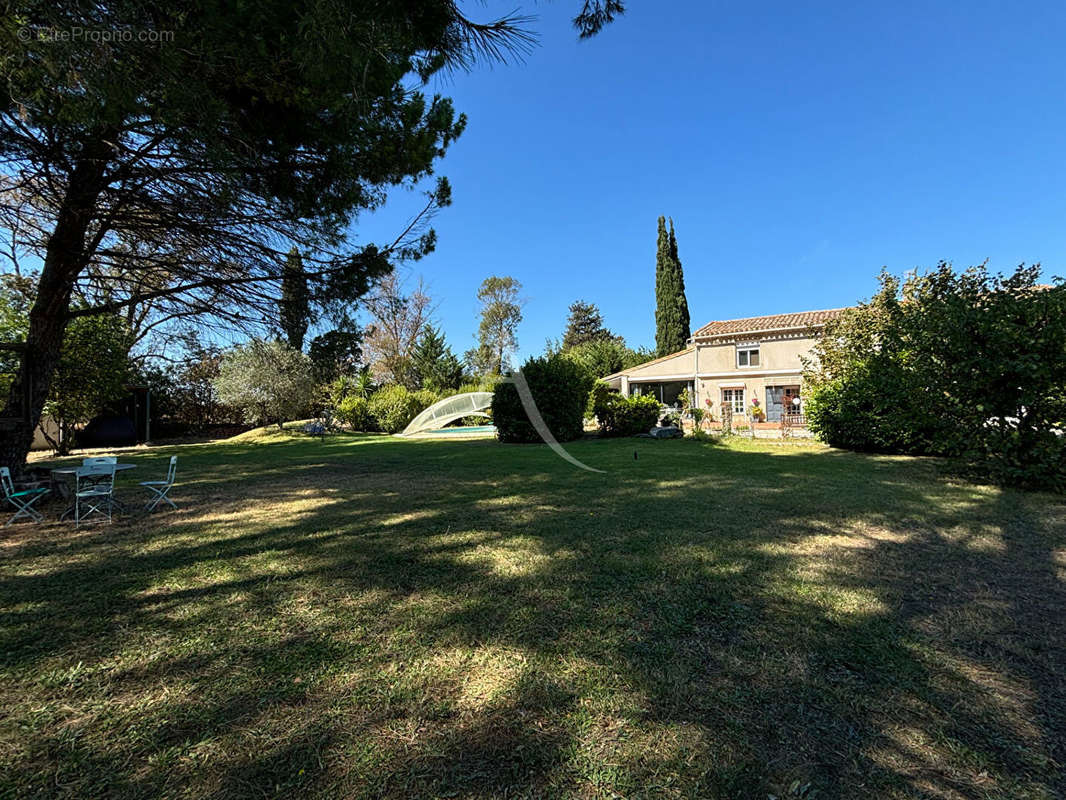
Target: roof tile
801,319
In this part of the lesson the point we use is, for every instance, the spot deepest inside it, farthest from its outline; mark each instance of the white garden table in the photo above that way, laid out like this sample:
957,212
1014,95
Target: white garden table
79,472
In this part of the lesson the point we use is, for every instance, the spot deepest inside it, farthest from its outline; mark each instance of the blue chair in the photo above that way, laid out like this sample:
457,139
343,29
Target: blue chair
23,501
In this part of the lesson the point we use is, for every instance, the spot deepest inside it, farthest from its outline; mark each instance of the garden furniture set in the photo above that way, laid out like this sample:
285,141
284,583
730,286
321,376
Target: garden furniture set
93,493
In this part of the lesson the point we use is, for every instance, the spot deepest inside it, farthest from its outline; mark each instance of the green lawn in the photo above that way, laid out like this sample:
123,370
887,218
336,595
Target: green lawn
366,617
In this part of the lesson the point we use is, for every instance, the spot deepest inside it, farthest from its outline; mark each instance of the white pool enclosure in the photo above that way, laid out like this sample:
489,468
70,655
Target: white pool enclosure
448,410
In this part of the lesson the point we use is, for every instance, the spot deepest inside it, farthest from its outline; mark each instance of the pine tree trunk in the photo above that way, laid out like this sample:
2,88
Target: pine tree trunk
65,258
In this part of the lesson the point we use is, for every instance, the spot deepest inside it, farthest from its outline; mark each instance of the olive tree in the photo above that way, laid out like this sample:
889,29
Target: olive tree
270,381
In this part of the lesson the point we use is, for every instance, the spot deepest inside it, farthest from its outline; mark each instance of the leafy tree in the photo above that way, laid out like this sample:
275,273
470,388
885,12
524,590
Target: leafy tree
437,367
398,321
198,403
603,357
672,323
93,371
269,381
14,308
964,365
294,306
363,384
501,312
585,324
14,324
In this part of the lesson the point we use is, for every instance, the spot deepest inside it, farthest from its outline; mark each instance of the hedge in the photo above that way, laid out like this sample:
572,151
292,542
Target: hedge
560,390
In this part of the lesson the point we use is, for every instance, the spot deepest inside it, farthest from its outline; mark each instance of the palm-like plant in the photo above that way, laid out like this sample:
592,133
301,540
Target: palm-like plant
364,385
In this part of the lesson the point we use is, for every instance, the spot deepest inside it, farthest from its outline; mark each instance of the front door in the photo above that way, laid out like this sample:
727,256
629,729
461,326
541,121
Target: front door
775,398
778,399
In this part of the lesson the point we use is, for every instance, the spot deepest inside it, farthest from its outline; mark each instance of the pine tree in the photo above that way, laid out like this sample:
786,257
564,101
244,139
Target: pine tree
436,364
585,324
294,305
672,323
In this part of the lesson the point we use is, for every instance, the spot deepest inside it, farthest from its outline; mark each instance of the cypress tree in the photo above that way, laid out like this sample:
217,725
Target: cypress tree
672,323
294,305
682,301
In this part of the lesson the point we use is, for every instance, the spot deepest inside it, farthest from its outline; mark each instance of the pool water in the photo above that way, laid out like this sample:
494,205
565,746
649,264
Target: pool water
471,430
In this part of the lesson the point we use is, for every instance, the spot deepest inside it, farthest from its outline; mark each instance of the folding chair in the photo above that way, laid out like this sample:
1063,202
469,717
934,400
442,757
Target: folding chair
89,462
161,487
98,494
23,500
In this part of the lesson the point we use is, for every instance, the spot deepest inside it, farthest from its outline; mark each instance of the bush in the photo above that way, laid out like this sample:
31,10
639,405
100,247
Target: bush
354,411
393,407
598,397
963,365
626,416
860,411
560,390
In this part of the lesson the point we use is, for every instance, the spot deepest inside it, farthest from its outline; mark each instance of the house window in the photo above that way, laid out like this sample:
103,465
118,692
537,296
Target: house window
748,356
734,398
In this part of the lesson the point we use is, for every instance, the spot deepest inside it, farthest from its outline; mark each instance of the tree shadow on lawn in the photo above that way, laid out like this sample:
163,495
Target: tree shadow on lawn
477,620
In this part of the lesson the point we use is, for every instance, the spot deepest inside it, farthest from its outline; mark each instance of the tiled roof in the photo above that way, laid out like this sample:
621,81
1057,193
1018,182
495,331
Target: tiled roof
774,322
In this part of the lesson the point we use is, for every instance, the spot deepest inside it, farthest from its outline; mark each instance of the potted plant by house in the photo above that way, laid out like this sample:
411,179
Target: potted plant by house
710,410
756,413
697,420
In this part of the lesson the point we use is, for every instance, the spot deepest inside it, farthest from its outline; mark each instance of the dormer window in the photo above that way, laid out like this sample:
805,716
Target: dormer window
747,355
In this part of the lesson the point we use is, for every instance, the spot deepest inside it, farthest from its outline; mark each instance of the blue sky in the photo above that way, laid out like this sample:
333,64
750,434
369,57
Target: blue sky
798,147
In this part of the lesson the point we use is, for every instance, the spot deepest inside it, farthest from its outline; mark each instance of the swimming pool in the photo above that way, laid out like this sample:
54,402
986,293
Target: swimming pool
471,430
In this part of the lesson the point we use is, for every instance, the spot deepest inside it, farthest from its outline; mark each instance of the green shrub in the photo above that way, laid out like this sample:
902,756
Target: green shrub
393,407
963,365
560,390
862,411
354,411
599,395
625,416
423,399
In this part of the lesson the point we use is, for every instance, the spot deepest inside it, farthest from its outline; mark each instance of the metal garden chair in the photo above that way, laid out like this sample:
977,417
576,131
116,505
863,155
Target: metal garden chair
160,488
97,494
23,501
95,460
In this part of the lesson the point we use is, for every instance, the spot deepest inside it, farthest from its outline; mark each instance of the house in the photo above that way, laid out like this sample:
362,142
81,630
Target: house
731,362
